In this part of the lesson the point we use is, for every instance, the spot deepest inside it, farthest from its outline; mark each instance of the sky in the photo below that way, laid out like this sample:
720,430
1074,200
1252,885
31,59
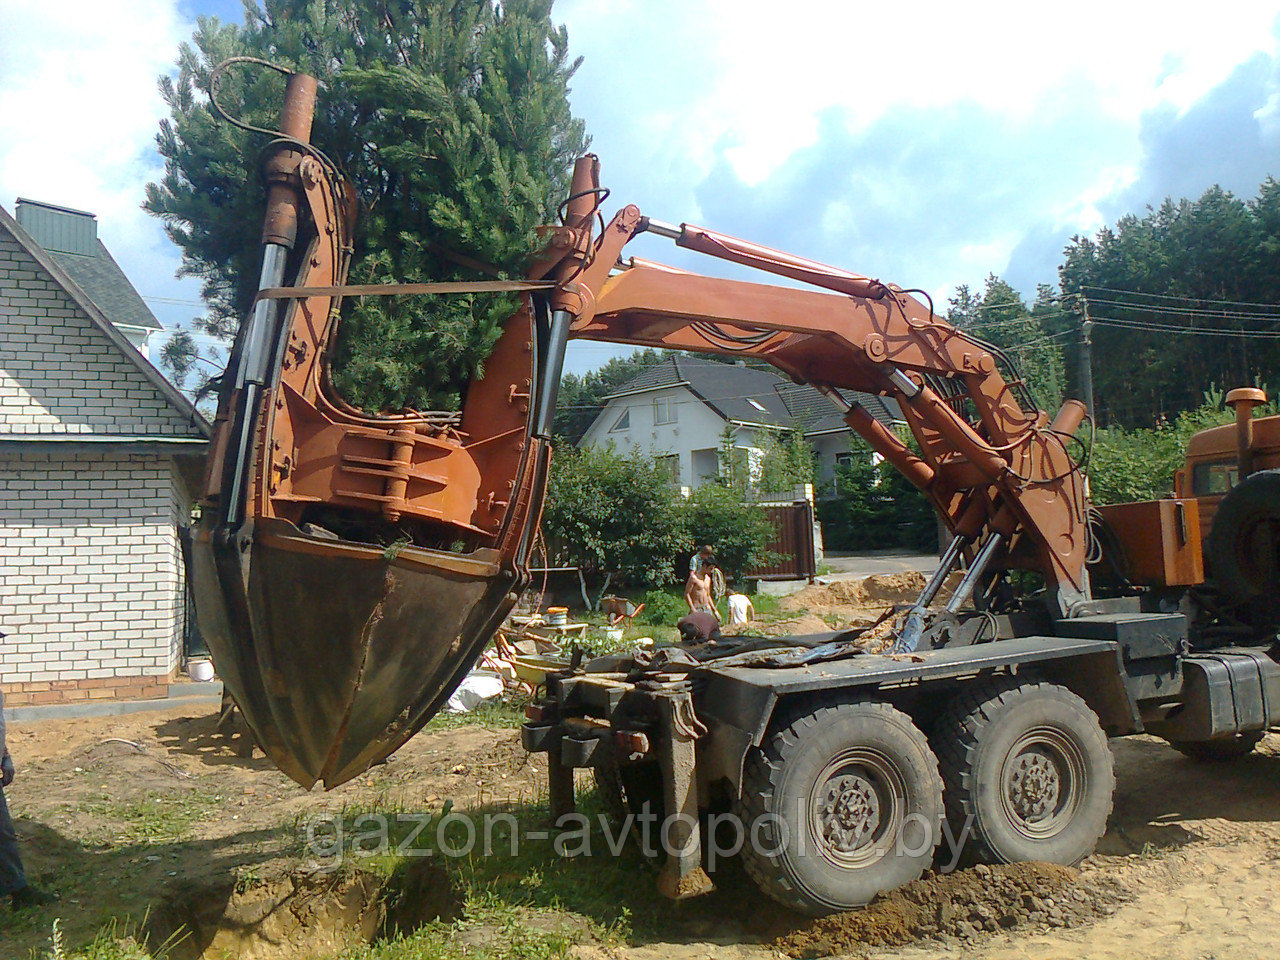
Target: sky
927,144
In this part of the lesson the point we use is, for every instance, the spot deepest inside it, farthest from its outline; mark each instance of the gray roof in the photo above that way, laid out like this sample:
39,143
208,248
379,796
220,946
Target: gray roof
102,279
70,237
728,389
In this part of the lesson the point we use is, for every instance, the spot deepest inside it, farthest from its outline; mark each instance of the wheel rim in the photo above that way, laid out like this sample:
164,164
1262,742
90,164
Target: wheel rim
1042,782
857,805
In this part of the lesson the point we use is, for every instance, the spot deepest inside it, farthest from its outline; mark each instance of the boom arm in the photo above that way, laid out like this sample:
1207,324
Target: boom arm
990,462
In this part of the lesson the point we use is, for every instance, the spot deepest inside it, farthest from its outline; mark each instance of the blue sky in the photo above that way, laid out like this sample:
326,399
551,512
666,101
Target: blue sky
928,144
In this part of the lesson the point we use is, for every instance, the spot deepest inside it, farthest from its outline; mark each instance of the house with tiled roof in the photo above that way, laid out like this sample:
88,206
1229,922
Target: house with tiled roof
678,410
99,455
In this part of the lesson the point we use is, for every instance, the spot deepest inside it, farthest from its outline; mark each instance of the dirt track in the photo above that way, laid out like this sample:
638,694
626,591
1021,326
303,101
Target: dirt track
115,826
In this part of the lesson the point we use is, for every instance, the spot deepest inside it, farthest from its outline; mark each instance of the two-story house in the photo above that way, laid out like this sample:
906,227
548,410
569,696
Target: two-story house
99,454
678,410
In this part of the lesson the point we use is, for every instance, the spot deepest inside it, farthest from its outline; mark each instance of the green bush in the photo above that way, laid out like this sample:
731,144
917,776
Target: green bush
740,533
1130,465
615,515
662,608
618,517
875,509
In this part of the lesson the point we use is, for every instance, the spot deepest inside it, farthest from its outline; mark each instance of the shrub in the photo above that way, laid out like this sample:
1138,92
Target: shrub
615,515
740,533
876,508
1129,465
662,608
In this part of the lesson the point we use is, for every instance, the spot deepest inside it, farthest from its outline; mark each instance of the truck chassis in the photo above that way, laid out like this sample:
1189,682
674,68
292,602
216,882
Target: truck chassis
845,770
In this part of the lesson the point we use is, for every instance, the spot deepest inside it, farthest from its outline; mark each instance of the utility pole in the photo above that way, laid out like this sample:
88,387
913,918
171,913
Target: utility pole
1086,357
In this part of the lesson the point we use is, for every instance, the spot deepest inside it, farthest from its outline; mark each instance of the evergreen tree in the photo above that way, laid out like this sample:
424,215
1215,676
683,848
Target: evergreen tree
1001,317
452,119
1206,264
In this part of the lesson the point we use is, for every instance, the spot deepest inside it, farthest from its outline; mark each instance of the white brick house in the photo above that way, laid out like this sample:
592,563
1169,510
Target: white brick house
98,455
678,410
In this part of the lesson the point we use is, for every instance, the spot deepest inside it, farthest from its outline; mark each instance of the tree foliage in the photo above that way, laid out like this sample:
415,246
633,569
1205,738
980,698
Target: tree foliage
1133,464
787,462
1186,264
614,513
1002,318
876,508
178,356
739,532
452,119
618,514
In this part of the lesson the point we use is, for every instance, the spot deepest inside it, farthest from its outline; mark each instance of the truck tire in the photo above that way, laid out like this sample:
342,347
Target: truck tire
1028,773
1244,543
840,803
1222,750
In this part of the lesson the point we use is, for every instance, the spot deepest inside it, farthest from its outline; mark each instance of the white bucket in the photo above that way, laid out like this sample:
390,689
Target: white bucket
200,669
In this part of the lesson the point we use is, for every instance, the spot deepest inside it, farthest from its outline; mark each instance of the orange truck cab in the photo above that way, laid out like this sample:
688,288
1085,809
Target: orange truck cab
1217,457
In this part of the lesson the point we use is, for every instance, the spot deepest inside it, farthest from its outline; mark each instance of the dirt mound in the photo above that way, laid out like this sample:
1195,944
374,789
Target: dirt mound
967,904
877,591
300,914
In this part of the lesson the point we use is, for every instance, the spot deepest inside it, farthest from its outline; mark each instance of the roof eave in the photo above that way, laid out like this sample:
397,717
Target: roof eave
635,393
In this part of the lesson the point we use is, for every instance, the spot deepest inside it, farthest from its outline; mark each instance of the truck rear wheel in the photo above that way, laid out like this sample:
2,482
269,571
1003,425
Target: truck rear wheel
1028,774
838,804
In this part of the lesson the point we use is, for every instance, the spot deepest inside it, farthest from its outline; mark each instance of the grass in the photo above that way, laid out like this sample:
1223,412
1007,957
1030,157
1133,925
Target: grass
503,713
521,902
531,904
152,819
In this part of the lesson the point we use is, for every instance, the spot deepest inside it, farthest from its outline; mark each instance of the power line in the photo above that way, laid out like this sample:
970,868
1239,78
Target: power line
1177,329
1169,296
1189,311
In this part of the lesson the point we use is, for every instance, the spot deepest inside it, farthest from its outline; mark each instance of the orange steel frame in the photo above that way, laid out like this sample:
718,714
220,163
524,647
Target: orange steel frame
988,464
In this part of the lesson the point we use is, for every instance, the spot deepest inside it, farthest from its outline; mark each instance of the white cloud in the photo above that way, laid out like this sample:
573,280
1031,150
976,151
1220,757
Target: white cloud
749,79
79,109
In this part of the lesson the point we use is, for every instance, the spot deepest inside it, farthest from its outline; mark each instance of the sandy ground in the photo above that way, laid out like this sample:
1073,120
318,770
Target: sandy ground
118,813
1196,848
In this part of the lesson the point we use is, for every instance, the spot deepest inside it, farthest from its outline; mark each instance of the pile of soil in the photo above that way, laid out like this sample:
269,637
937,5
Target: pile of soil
860,596
965,905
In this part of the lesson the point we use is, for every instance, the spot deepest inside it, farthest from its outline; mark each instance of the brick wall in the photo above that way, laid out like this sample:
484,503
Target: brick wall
60,374
90,565
92,576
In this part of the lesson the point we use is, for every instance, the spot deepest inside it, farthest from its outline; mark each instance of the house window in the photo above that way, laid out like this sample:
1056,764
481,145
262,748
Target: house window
669,466
757,404
844,459
623,422
664,410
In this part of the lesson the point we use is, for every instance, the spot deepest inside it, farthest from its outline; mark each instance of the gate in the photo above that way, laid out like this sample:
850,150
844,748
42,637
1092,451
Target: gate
791,543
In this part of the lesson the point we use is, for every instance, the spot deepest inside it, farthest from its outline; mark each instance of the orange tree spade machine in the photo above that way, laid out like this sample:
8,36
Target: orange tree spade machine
350,567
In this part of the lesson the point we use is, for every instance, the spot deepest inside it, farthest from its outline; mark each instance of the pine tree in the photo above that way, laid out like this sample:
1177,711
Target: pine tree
452,119
1002,318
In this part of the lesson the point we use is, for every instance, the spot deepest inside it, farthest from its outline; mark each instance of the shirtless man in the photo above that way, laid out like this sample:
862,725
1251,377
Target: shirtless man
697,592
